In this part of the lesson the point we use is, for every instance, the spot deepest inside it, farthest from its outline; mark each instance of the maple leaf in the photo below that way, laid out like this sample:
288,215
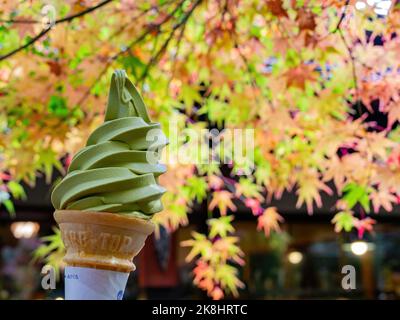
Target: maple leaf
53,252
248,189
4,176
197,188
393,114
393,160
55,67
215,182
222,200
382,198
204,275
343,220
220,226
226,249
276,8
388,179
16,190
200,246
334,171
281,46
298,76
47,161
306,20
269,221
382,90
375,144
172,217
254,205
364,225
227,276
354,193
217,293
309,189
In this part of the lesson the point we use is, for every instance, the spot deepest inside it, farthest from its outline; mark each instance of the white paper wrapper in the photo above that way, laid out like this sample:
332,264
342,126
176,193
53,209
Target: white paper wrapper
94,284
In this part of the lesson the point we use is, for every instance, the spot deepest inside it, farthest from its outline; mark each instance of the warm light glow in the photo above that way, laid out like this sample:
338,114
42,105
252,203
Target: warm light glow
359,248
24,229
59,298
295,257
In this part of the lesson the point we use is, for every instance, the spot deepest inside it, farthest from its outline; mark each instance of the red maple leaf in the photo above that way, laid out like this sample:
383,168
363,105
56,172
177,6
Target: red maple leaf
364,225
306,20
297,76
269,221
276,8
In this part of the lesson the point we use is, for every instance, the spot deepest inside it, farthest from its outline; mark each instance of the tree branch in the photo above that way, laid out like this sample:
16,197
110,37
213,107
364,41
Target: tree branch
174,58
145,33
84,12
341,19
20,21
151,28
353,67
164,47
350,52
45,31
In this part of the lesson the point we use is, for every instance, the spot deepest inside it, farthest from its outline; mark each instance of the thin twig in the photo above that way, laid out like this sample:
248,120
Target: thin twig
45,31
138,16
145,33
151,28
164,47
176,54
353,67
342,17
350,52
20,21
99,76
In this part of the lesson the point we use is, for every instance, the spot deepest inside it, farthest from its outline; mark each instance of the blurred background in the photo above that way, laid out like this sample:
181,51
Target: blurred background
317,83
304,261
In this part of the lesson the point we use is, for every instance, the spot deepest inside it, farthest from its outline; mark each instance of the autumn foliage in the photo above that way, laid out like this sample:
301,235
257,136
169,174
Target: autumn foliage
307,76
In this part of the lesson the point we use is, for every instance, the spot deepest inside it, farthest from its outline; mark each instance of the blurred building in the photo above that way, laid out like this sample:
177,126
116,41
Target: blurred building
303,262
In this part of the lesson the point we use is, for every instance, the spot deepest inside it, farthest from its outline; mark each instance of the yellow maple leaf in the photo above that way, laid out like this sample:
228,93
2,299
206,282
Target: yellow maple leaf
222,200
309,189
269,221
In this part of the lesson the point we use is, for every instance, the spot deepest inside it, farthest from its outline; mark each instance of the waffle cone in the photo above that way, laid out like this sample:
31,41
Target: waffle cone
102,240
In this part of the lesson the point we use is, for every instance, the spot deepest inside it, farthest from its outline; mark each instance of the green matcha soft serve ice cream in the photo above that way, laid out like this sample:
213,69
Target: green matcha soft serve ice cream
117,170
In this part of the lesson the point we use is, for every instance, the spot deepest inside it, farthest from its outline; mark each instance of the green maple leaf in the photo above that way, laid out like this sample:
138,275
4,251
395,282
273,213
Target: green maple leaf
52,251
58,106
343,220
16,190
9,205
201,246
354,193
262,174
209,169
221,226
227,277
216,110
249,189
47,160
190,95
197,188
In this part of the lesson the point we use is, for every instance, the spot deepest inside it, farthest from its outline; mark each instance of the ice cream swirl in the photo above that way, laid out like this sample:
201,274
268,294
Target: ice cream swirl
117,170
